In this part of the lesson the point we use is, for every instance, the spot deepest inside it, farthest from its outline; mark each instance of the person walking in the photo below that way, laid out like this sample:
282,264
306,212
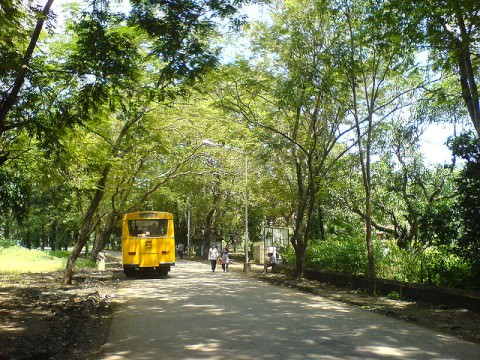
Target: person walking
180,250
225,260
213,256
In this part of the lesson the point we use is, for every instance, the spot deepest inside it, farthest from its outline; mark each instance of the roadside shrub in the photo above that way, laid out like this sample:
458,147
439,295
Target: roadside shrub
394,295
434,266
399,264
444,268
288,256
5,243
347,255
82,262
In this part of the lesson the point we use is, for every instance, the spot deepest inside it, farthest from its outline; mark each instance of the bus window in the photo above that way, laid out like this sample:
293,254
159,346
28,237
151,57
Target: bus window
148,228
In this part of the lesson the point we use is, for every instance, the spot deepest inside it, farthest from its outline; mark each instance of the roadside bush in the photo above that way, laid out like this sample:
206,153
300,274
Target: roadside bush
347,255
399,264
5,243
434,266
288,256
447,269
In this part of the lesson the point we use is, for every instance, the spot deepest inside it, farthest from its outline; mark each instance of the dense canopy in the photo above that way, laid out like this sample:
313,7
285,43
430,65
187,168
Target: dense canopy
318,111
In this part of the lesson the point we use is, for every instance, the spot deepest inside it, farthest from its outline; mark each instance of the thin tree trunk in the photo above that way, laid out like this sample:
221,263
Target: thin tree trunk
372,284
208,231
104,235
56,245
11,99
467,75
85,228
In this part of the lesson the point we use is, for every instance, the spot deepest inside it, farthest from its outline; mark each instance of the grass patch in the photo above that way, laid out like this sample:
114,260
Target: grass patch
18,260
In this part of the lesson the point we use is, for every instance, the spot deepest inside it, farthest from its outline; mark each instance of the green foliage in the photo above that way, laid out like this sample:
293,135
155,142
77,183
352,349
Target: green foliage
181,32
439,223
13,191
444,268
59,254
13,36
436,266
394,295
397,263
467,146
5,243
450,30
288,256
347,255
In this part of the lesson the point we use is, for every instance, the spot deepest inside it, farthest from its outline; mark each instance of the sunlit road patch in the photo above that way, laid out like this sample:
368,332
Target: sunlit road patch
196,314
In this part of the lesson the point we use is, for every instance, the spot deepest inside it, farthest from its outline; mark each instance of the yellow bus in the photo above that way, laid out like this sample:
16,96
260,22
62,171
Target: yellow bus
148,242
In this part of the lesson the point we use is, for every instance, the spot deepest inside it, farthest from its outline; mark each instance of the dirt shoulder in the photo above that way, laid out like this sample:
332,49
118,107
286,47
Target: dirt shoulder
41,319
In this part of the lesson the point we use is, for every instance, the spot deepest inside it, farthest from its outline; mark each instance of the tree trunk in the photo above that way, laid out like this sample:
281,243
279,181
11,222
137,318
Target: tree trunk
104,236
208,232
102,241
372,276
56,245
298,242
467,73
85,228
300,262
29,240
11,98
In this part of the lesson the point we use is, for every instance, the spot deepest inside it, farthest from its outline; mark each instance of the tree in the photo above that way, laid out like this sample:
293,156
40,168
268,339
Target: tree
376,64
467,147
16,69
291,105
450,29
175,37
19,81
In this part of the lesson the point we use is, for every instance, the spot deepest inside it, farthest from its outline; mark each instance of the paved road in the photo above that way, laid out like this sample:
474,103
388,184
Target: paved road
196,314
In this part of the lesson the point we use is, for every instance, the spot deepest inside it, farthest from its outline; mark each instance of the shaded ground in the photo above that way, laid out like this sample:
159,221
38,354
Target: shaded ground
41,319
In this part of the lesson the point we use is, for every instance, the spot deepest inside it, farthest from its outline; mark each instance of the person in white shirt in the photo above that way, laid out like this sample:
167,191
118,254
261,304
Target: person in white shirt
270,261
213,256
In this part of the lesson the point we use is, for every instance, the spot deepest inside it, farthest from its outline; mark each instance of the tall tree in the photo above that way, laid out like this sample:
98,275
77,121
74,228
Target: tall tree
16,67
467,147
450,29
175,49
294,110
376,64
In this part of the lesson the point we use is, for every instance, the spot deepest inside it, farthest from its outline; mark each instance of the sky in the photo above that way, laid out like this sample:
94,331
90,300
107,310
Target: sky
433,144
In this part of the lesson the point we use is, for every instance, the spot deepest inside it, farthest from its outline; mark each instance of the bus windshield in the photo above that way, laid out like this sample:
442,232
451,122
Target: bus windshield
148,228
